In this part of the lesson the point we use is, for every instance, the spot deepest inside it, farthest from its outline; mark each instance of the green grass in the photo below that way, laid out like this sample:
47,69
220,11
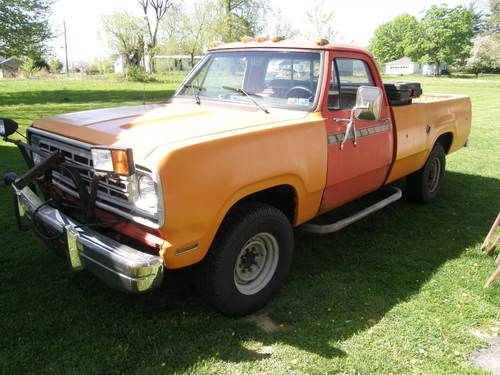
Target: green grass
398,292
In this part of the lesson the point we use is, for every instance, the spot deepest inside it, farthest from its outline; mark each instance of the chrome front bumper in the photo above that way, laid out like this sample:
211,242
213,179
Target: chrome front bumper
118,265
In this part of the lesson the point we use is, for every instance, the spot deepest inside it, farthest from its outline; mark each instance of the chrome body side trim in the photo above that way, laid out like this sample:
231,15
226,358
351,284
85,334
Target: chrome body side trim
334,138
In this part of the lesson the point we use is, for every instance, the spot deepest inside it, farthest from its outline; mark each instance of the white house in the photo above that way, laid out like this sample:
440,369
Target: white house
403,66
119,65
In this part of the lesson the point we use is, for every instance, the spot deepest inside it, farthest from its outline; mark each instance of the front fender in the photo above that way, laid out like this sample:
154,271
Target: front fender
202,179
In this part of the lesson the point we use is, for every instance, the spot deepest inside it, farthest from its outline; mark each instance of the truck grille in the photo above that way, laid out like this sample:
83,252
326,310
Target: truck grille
114,194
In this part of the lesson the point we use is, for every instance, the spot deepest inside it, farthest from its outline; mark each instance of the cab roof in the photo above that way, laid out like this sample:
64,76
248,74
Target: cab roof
288,44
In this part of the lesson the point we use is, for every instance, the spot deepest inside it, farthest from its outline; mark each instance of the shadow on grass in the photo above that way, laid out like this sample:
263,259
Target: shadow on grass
340,284
83,96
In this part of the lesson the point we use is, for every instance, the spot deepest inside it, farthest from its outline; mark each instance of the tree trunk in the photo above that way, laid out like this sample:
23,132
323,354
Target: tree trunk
438,70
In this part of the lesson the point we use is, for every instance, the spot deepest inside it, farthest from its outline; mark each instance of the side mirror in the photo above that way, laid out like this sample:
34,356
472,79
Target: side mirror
368,103
7,127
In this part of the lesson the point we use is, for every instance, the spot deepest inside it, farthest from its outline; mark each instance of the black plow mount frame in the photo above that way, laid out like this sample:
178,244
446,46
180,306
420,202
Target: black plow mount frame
39,178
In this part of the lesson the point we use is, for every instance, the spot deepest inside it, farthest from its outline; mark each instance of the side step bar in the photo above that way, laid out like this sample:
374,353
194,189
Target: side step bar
338,225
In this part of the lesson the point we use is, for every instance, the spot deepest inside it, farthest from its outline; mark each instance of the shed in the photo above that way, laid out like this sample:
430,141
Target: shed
432,68
9,67
403,66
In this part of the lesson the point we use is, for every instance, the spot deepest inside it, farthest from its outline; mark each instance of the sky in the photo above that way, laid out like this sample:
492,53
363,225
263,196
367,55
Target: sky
355,20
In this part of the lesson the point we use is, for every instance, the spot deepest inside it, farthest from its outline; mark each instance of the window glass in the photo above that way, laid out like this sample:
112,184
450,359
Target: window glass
282,79
225,71
352,73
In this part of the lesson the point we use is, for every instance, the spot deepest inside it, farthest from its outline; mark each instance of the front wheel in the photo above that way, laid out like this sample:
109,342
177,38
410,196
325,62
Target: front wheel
423,185
249,260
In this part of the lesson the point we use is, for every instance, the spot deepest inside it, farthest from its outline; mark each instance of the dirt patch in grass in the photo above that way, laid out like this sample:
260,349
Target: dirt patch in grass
487,358
264,322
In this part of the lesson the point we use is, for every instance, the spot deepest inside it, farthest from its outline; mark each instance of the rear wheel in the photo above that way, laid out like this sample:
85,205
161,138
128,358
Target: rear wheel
423,185
248,261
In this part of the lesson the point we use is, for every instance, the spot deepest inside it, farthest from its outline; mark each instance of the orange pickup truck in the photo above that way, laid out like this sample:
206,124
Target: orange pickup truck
262,137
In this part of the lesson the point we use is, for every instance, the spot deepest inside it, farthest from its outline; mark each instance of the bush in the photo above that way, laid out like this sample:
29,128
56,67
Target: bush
29,67
92,69
100,67
55,66
137,74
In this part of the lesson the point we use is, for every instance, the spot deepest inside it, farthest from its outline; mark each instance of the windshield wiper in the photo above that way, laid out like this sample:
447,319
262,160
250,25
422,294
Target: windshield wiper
248,95
196,93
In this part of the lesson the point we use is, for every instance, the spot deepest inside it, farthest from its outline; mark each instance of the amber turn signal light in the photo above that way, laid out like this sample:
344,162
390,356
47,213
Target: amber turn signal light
120,162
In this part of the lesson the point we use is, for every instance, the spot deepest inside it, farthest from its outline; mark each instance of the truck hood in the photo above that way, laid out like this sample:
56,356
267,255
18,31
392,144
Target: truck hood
145,127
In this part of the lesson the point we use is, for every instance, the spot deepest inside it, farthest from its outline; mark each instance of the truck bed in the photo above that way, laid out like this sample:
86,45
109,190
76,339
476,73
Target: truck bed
417,126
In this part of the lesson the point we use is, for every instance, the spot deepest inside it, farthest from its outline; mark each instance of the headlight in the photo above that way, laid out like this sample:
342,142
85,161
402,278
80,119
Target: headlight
147,194
118,161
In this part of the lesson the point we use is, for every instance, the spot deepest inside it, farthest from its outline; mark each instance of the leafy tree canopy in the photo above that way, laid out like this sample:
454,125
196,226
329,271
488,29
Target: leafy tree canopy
24,27
493,22
443,35
238,18
395,39
125,35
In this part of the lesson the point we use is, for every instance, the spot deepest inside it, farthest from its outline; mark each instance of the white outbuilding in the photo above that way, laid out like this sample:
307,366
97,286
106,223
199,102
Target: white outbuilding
403,66
432,69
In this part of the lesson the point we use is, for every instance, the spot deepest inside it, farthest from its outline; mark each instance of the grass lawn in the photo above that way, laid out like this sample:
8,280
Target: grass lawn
398,292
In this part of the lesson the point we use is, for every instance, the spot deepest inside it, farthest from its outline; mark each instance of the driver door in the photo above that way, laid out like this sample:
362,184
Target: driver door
354,169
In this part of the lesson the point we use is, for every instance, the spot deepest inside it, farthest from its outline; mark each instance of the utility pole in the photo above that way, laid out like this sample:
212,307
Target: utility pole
66,48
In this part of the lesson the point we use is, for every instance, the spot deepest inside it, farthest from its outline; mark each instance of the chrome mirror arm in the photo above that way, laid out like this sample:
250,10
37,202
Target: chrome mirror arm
352,126
347,131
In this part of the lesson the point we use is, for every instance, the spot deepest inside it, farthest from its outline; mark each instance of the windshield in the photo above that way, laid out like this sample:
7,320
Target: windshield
270,78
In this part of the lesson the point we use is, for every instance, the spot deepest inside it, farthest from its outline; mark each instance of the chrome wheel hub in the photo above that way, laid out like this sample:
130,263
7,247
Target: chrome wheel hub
256,263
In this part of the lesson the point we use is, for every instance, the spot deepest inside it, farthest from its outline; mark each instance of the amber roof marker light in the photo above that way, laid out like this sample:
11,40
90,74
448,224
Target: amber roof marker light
247,39
322,42
215,43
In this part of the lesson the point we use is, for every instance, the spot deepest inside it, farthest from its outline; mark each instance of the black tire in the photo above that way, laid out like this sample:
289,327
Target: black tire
217,277
423,185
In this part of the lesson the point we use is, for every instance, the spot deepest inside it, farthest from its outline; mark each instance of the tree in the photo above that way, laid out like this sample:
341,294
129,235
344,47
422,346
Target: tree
158,8
485,56
493,22
197,28
125,34
24,28
479,18
445,35
321,21
282,26
239,18
395,39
